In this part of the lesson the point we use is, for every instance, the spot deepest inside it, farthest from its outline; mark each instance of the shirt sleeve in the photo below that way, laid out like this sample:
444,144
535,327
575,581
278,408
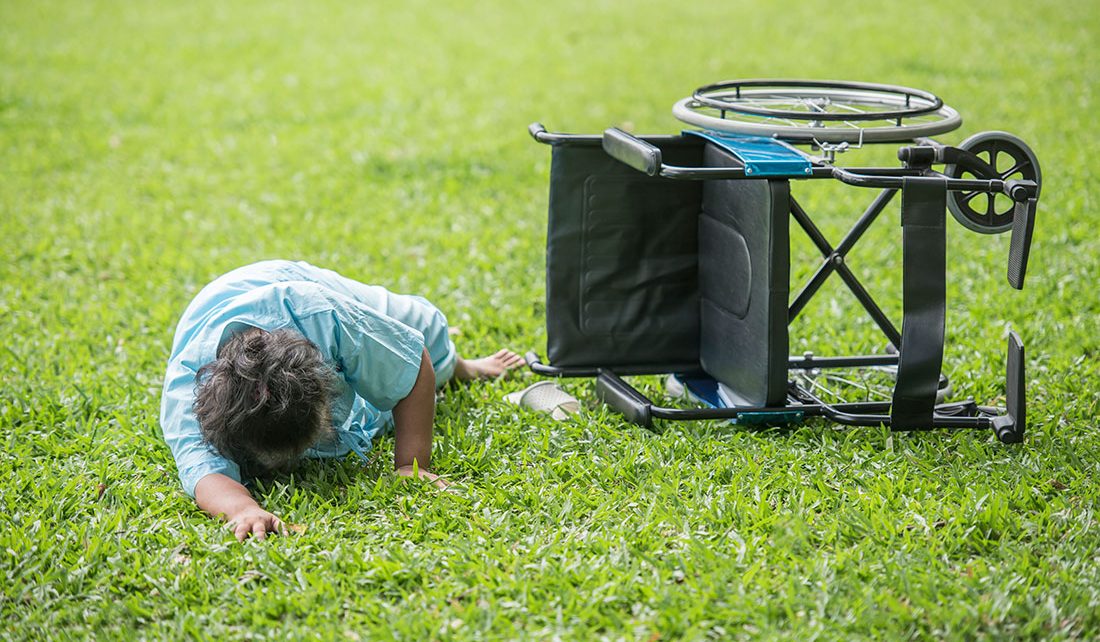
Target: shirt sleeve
377,356
195,458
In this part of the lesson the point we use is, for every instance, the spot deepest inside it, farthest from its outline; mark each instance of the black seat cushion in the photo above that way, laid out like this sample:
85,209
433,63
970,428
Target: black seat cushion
744,283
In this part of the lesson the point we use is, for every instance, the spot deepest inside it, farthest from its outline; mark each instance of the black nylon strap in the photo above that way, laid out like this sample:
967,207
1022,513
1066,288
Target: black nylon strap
924,294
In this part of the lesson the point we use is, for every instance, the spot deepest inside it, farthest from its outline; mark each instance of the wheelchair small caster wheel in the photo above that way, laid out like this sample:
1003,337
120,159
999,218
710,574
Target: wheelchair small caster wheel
1010,158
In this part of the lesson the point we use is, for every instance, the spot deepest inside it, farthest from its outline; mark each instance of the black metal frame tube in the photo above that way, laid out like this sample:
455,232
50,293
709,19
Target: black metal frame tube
806,361
883,178
844,413
834,262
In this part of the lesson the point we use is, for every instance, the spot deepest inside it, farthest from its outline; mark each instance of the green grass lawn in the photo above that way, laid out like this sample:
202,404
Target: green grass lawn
147,147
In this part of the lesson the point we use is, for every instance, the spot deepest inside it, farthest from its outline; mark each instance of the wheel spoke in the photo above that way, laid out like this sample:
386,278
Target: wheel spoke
966,197
759,102
866,386
812,106
769,120
1018,167
852,108
994,152
811,381
733,115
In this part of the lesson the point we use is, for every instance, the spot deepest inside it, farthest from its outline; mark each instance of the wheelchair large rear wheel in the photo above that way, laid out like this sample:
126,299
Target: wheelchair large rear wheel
809,111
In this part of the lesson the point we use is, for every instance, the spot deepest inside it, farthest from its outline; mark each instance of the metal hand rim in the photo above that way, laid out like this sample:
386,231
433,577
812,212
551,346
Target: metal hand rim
949,121
718,96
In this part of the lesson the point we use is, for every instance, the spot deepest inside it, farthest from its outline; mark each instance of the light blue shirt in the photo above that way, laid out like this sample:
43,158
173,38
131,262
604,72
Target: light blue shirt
374,338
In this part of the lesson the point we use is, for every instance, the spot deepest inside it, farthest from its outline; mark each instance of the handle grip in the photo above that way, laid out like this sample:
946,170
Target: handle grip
536,130
632,151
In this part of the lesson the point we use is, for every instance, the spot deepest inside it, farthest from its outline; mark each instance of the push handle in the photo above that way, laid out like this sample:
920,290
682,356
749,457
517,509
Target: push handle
537,131
1019,247
632,151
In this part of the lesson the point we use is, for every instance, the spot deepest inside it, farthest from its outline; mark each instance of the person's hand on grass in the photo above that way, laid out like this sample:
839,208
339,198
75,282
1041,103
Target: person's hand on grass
256,522
412,471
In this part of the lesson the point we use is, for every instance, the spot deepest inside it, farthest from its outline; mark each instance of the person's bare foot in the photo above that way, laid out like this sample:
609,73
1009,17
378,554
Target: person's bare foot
487,367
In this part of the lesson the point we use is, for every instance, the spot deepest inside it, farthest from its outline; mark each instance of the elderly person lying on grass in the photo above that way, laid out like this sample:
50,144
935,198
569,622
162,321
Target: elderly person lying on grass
281,360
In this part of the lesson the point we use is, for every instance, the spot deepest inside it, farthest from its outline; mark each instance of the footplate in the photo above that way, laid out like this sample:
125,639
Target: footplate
1010,426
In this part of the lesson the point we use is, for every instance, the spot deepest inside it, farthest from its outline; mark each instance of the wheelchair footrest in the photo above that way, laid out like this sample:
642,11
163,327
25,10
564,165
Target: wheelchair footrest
1010,426
710,393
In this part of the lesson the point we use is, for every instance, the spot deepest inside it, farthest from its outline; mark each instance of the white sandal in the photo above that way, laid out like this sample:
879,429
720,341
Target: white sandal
546,396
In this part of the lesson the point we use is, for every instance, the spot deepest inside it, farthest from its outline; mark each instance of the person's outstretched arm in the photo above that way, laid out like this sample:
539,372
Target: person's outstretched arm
413,419
222,496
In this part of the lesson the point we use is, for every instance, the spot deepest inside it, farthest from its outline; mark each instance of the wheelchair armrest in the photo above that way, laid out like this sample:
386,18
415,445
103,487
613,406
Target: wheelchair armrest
632,151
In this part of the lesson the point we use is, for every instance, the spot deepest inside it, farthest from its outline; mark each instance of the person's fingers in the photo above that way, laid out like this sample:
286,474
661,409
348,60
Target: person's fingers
259,529
240,531
506,359
277,526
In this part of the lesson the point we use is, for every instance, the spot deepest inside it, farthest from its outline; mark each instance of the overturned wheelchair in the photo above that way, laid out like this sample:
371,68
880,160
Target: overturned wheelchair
671,254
